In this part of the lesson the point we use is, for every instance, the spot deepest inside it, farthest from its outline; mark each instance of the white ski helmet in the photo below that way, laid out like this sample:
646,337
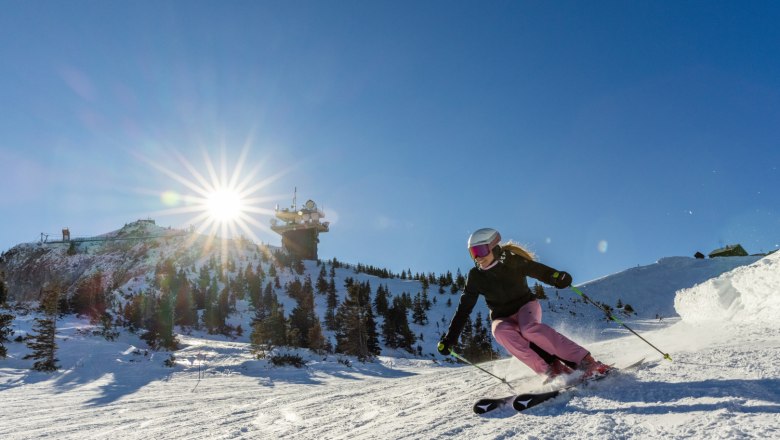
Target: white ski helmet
482,242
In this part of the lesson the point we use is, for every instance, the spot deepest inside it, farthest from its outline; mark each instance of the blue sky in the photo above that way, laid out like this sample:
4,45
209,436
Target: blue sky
604,135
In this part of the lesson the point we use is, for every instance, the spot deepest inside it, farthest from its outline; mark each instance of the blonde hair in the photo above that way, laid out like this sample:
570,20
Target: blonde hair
519,250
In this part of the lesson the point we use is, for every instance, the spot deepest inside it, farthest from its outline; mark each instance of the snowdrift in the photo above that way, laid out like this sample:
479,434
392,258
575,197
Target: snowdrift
651,289
745,294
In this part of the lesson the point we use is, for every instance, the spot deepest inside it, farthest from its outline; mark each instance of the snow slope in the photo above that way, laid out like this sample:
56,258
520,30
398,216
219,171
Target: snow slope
724,382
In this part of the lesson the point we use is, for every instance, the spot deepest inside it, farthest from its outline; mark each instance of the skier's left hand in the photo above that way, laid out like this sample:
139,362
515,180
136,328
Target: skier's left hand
561,280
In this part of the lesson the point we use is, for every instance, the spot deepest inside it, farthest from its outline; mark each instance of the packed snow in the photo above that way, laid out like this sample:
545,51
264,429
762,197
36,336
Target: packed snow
723,380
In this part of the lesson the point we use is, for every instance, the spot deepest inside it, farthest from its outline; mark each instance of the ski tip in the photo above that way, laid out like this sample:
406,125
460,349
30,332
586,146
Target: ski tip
633,366
482,409
483,406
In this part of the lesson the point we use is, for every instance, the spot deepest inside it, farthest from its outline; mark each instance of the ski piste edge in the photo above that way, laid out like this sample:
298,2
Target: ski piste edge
521,402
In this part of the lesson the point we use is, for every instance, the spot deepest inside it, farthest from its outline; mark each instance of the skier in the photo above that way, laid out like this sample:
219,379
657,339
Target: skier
500,276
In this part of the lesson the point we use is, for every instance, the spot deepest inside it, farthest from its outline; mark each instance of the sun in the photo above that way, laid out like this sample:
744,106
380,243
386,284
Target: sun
225,206
218,201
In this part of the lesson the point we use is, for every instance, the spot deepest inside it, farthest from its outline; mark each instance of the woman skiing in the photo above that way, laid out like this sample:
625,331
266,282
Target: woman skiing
500,276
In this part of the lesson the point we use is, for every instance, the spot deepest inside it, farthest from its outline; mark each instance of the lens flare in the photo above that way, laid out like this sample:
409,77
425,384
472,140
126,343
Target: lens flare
170,198
602,246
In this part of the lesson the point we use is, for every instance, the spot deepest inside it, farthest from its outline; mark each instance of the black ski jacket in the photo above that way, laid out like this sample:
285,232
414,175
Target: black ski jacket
504,287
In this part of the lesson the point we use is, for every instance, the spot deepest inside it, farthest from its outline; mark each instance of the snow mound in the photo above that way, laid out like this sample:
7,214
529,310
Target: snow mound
745,294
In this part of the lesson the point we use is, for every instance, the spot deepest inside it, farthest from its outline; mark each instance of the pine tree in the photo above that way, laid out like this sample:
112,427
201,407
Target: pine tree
211,308
269,328
158,322
90,298
419,315
255,287
302,317
107,327
223,309
43,343
372,336
395,330
166,319
482,343
238,287
3,291
185,311
260,273
322,283
426,303
200,293
298,267
353,335
308,287
316,338
467,339
269,297
476,341
406,297
332,302
380,301
425,285
539,291
133,312
5,330
389,326
460,280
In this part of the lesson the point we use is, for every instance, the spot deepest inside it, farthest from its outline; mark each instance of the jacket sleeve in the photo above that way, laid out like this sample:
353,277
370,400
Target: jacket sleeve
539,271
466,304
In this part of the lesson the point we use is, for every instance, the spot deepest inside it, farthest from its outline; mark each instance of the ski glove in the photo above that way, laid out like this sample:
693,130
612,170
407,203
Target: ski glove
561,280
444,347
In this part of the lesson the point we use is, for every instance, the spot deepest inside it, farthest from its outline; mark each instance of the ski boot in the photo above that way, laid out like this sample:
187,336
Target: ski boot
557,368
591,368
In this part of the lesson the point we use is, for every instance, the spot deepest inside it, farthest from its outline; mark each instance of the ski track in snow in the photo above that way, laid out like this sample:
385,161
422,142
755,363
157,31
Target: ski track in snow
723,383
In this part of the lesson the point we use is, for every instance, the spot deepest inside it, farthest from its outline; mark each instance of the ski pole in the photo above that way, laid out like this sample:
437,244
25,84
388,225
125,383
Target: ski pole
459,357
612,317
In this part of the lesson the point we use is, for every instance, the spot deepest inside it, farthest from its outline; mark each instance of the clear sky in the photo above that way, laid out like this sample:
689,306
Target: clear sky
604,134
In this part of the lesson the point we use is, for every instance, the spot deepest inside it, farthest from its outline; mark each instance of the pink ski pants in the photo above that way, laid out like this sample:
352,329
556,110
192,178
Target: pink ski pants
516,332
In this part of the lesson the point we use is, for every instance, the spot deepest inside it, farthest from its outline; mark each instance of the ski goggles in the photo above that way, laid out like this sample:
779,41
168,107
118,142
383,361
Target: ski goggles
480,250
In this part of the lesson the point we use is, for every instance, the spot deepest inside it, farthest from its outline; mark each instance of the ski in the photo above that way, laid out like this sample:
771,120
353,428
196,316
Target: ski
522,402
485,405
530,400
519,402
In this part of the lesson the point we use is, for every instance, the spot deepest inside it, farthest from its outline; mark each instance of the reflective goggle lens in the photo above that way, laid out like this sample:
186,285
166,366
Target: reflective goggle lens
479,250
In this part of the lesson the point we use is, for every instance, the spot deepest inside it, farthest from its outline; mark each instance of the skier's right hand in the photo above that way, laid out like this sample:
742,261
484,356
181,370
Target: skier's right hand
444,347
561,280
